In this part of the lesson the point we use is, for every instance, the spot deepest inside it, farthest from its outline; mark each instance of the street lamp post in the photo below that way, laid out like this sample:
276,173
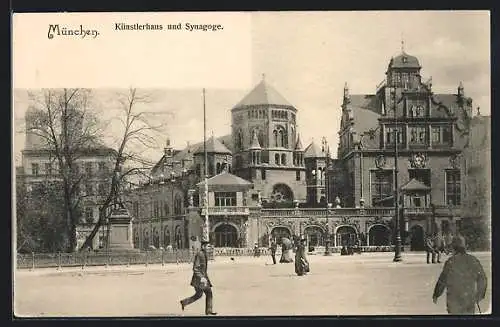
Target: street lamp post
397,249
172,185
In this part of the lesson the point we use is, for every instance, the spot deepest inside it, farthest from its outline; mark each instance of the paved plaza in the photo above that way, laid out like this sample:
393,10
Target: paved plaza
366,284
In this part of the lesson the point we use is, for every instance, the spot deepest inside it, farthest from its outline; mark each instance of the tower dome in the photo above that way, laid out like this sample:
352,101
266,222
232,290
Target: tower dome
404,60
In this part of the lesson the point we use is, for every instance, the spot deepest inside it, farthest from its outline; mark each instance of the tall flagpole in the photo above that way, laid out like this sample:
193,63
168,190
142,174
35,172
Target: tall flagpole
206,234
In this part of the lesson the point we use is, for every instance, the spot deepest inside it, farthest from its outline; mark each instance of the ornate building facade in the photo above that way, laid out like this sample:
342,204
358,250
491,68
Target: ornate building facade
430,132
264,184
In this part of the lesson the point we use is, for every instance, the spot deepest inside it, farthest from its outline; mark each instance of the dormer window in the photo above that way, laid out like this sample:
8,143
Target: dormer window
405,59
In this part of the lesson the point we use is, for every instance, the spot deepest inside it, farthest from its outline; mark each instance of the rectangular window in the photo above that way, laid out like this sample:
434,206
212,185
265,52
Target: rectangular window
101,189
263,174
453,187
136,209
297,175
102,168
436,134
441,134
225,199
89,190
48,168
382,187
418,135
421,175
89,214
389,135
35,169
88,169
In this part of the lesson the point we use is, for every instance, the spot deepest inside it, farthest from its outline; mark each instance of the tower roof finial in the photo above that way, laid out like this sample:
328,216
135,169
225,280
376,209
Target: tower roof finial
263,76
402,43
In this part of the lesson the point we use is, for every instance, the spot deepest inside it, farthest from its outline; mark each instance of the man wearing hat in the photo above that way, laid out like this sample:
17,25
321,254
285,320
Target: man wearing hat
464,279
200,280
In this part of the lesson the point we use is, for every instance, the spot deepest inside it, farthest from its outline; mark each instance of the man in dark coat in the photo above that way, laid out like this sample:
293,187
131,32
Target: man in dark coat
200,281
464,279
273,248
429,249
438,246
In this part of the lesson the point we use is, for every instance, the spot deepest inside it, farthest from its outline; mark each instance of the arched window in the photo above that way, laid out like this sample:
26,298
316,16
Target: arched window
218,168
210,168
280,138
275,134
239,139
178,205
283,159
277,159
166,237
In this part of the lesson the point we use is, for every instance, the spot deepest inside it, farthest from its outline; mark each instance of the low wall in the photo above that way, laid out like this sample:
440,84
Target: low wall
57,260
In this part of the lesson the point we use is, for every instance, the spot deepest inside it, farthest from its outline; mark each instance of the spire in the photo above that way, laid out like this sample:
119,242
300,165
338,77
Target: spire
460,89
255,142
298,145
347,97
168,148
263,76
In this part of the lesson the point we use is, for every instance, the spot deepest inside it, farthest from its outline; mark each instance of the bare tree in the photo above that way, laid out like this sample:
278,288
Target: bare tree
67,128
138,130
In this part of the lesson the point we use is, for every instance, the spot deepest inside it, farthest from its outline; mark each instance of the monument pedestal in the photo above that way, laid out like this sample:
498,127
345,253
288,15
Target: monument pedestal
120,232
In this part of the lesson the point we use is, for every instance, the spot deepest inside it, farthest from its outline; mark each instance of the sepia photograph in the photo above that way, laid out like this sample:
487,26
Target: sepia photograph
294,163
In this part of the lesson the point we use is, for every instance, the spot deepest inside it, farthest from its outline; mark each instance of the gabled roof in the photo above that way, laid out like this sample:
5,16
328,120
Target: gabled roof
313,151
415,185
187,153
213,146
263,94
226,178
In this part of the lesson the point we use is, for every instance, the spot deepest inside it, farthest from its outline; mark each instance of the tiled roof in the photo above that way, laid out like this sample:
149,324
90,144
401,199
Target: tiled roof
187,154
414,185
313,151
226,178
213,146
263,94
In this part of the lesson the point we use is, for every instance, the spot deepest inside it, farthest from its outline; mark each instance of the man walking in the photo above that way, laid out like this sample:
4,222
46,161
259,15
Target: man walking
438,246
200,281
429,249
273,248
464,279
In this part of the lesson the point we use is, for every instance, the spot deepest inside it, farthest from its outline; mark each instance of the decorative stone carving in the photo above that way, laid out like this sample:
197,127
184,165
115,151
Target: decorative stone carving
380,161
280,222
455,161
418,160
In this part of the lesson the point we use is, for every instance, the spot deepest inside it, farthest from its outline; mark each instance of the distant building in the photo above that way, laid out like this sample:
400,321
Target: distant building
94,165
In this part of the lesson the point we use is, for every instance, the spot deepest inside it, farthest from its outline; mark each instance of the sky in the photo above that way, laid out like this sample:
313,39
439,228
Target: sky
309,56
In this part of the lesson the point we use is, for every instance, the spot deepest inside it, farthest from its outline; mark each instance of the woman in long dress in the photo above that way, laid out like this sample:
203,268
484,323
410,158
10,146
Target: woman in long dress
286,250
301,262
